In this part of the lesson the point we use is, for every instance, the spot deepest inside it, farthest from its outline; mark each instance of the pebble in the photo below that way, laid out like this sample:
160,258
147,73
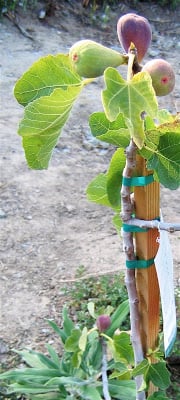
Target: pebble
2,214
90,142
154,53
3,347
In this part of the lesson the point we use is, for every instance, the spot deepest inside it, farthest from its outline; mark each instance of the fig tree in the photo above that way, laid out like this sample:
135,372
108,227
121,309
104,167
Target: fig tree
162,75
103,322
132,28
90,59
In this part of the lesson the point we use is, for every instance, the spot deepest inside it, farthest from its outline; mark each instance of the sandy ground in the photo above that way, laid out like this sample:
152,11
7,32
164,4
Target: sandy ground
47,226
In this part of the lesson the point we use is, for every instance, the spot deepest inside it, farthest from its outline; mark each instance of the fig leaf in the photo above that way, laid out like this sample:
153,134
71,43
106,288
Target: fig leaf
42,123
132,98
115,132
45,75
162,147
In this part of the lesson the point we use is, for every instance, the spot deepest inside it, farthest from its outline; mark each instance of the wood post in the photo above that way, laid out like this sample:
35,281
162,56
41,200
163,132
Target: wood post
147,199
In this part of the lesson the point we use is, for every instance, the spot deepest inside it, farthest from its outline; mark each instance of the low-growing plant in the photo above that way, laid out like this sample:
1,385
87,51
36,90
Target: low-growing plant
11,5
94,362
103,290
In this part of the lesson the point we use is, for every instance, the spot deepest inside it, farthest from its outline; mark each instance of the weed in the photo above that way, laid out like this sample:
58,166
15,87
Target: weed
104,291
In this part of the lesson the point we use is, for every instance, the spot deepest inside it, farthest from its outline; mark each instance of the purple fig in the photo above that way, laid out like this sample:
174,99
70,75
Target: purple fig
132,28
103,322
162,75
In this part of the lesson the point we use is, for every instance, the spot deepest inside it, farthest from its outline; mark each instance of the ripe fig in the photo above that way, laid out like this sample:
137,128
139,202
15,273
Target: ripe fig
162,75
132,28
103,322
90,59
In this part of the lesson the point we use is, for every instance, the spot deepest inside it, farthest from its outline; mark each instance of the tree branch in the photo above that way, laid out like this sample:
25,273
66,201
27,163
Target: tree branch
153,224
104,370
127,210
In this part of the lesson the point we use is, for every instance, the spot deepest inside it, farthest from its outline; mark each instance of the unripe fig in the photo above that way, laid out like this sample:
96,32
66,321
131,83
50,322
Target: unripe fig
132,28
90,59
162,75
103,322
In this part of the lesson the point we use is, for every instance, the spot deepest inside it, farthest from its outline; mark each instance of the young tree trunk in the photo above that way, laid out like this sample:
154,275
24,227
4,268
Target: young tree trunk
147,207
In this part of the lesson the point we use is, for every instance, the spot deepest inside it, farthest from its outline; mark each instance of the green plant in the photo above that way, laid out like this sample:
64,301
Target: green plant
80,373
147,144
104,291
11,5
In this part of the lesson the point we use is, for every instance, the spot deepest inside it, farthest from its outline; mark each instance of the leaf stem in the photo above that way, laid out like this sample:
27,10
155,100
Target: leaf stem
132,54
104,370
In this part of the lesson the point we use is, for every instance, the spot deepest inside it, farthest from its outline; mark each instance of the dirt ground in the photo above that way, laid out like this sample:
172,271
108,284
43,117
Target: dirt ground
47,226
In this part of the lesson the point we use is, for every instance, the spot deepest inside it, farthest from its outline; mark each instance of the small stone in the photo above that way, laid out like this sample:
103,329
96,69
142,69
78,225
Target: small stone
2,214
3,347
153,53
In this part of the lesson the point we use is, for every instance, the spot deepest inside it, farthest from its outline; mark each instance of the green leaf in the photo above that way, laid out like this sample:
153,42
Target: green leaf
53,354
72,342
49,396
164,116
60,332
141,368
117,222
123,348
97,191
159,375
114,177
91,309
35,359
122,390
94,355
76,359
83,339
89,393
131,98
29,388
68,324
45,75
158,396
166,161
118,317
42,124
30,374
115,132
123,375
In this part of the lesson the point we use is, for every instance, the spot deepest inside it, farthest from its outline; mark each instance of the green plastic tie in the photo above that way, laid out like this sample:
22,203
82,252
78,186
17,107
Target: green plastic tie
132,228
138,264
138,180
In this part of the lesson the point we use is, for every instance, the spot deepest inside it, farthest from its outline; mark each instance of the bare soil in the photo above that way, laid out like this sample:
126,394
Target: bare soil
47,226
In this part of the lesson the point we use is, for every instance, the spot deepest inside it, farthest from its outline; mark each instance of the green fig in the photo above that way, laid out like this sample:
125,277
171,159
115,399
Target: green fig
90,59
132,28
162,75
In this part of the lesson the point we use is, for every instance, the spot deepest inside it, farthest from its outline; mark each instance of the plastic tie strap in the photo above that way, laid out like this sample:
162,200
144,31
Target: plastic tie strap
138,180
133,228
139,264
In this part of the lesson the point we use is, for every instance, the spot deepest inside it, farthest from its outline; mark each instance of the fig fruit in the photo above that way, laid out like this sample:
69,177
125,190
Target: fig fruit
103,322
132,28
90,59
162,75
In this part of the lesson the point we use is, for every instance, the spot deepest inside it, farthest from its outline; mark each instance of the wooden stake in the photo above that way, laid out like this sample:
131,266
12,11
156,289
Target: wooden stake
147,207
